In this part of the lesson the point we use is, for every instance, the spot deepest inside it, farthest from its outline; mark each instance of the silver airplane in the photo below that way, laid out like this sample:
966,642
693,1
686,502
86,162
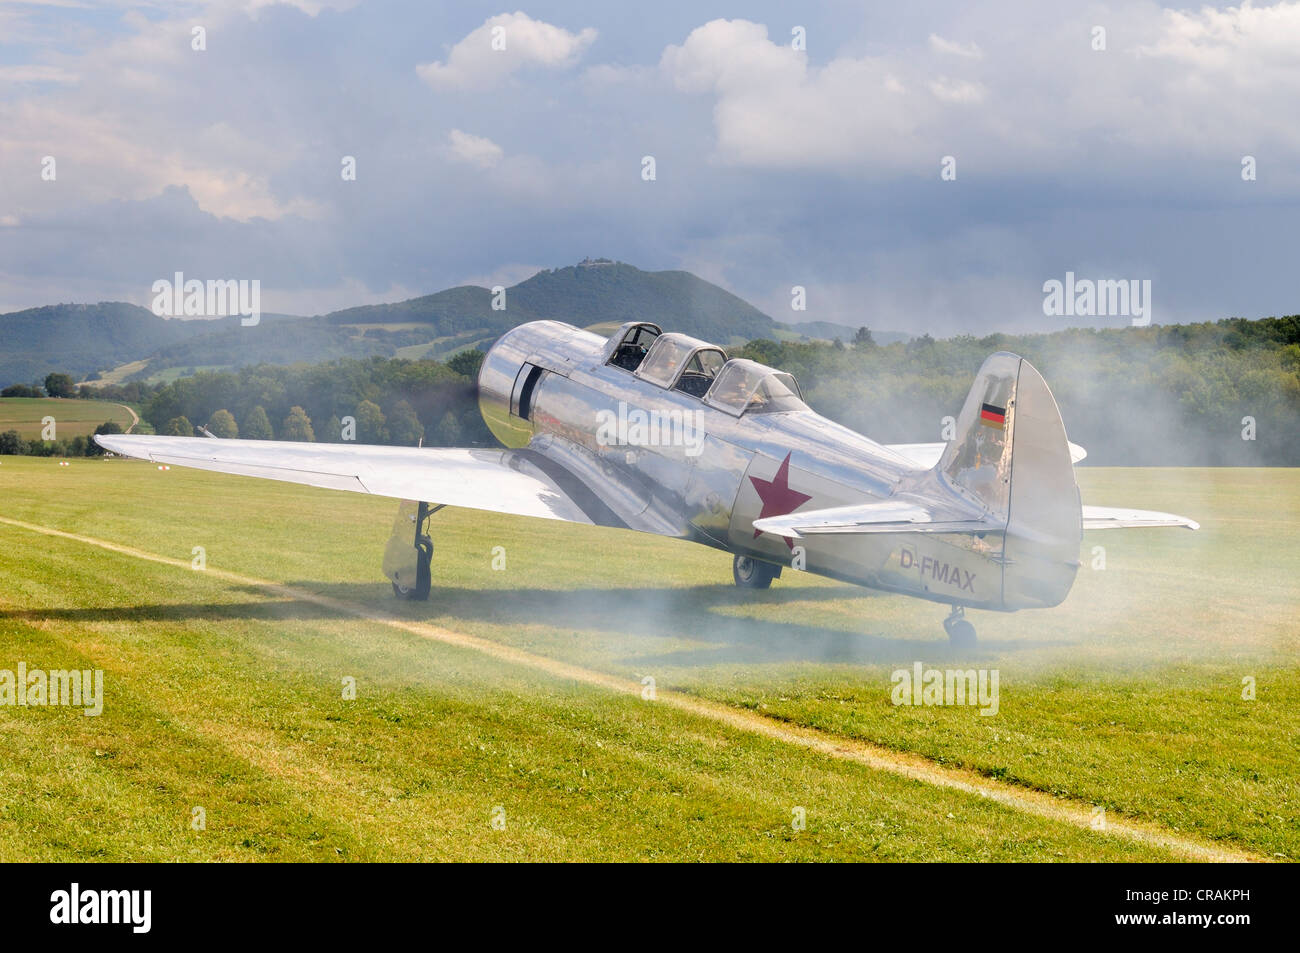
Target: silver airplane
661,433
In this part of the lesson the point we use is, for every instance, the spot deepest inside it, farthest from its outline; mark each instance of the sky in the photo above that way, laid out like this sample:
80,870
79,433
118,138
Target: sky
912,167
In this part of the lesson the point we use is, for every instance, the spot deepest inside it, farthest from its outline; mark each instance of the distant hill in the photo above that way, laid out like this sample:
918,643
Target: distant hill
85,339
81,338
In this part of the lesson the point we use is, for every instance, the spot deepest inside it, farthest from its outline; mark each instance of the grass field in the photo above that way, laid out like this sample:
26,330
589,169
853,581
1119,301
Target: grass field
119,374
223,691
72,417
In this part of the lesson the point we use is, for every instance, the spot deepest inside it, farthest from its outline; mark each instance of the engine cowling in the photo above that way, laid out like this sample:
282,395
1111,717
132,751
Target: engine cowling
514,366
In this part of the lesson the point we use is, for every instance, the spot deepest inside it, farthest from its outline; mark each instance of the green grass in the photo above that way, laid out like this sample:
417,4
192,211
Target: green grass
72,417
119,374
442,348
228,697
169,375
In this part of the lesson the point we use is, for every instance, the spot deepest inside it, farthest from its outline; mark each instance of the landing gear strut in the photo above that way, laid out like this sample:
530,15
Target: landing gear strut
418,589
753,573
961,634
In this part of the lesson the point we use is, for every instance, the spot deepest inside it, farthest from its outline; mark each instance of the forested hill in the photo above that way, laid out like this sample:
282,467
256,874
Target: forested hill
81,338
88,340
592,292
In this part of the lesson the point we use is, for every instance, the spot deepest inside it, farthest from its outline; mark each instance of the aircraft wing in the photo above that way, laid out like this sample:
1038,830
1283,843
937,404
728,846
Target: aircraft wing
520,482
1110,517
926,455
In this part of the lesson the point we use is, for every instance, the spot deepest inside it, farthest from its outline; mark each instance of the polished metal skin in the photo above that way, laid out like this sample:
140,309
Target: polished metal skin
956,538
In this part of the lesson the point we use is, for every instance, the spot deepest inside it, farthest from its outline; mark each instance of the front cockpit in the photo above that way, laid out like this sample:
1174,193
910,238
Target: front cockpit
747,387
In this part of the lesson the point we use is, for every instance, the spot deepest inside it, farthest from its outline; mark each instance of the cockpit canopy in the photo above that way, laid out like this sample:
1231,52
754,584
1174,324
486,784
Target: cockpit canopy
628,345
747,387
690,366
683,363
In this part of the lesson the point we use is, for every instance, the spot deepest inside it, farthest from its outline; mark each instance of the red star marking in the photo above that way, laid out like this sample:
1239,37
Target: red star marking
778,499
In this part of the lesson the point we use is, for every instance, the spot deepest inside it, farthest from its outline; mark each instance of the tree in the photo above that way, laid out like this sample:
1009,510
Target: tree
257,426
222,424
404,428
447,433
370,423
107,427
297,426
764,351
11,442
333,429
60,385
862,338
467,363
179,427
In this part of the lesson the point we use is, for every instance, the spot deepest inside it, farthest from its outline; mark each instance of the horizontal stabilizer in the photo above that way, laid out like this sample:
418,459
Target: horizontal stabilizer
1112,517
885,516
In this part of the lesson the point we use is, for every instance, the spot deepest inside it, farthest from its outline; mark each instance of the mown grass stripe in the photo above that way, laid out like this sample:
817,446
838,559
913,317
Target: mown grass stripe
877,757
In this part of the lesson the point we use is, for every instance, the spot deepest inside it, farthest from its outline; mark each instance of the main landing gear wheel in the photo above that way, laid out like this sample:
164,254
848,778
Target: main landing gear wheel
753,574
423,559
423,573
961,634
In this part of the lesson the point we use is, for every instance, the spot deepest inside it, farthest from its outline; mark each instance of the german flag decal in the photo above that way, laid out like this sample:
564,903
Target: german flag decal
991,416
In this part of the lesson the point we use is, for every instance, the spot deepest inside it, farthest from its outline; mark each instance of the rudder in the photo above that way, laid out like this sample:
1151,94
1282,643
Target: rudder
1011,456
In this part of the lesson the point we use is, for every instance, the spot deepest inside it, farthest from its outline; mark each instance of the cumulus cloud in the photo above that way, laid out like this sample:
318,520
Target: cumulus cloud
1181,83
969,50
772,109
124,109
1232,38
503,44
476,150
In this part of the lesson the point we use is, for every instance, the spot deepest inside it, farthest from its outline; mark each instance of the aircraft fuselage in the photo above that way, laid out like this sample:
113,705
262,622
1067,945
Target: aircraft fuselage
709,474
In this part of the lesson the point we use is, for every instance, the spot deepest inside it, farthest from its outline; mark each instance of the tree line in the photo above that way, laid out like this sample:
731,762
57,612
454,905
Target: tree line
1214,393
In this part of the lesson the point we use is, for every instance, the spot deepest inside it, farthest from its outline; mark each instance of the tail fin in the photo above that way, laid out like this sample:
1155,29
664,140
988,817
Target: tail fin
1011,456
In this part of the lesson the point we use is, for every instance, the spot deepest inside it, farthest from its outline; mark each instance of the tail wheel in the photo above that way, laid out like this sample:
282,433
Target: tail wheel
961,634
753,574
